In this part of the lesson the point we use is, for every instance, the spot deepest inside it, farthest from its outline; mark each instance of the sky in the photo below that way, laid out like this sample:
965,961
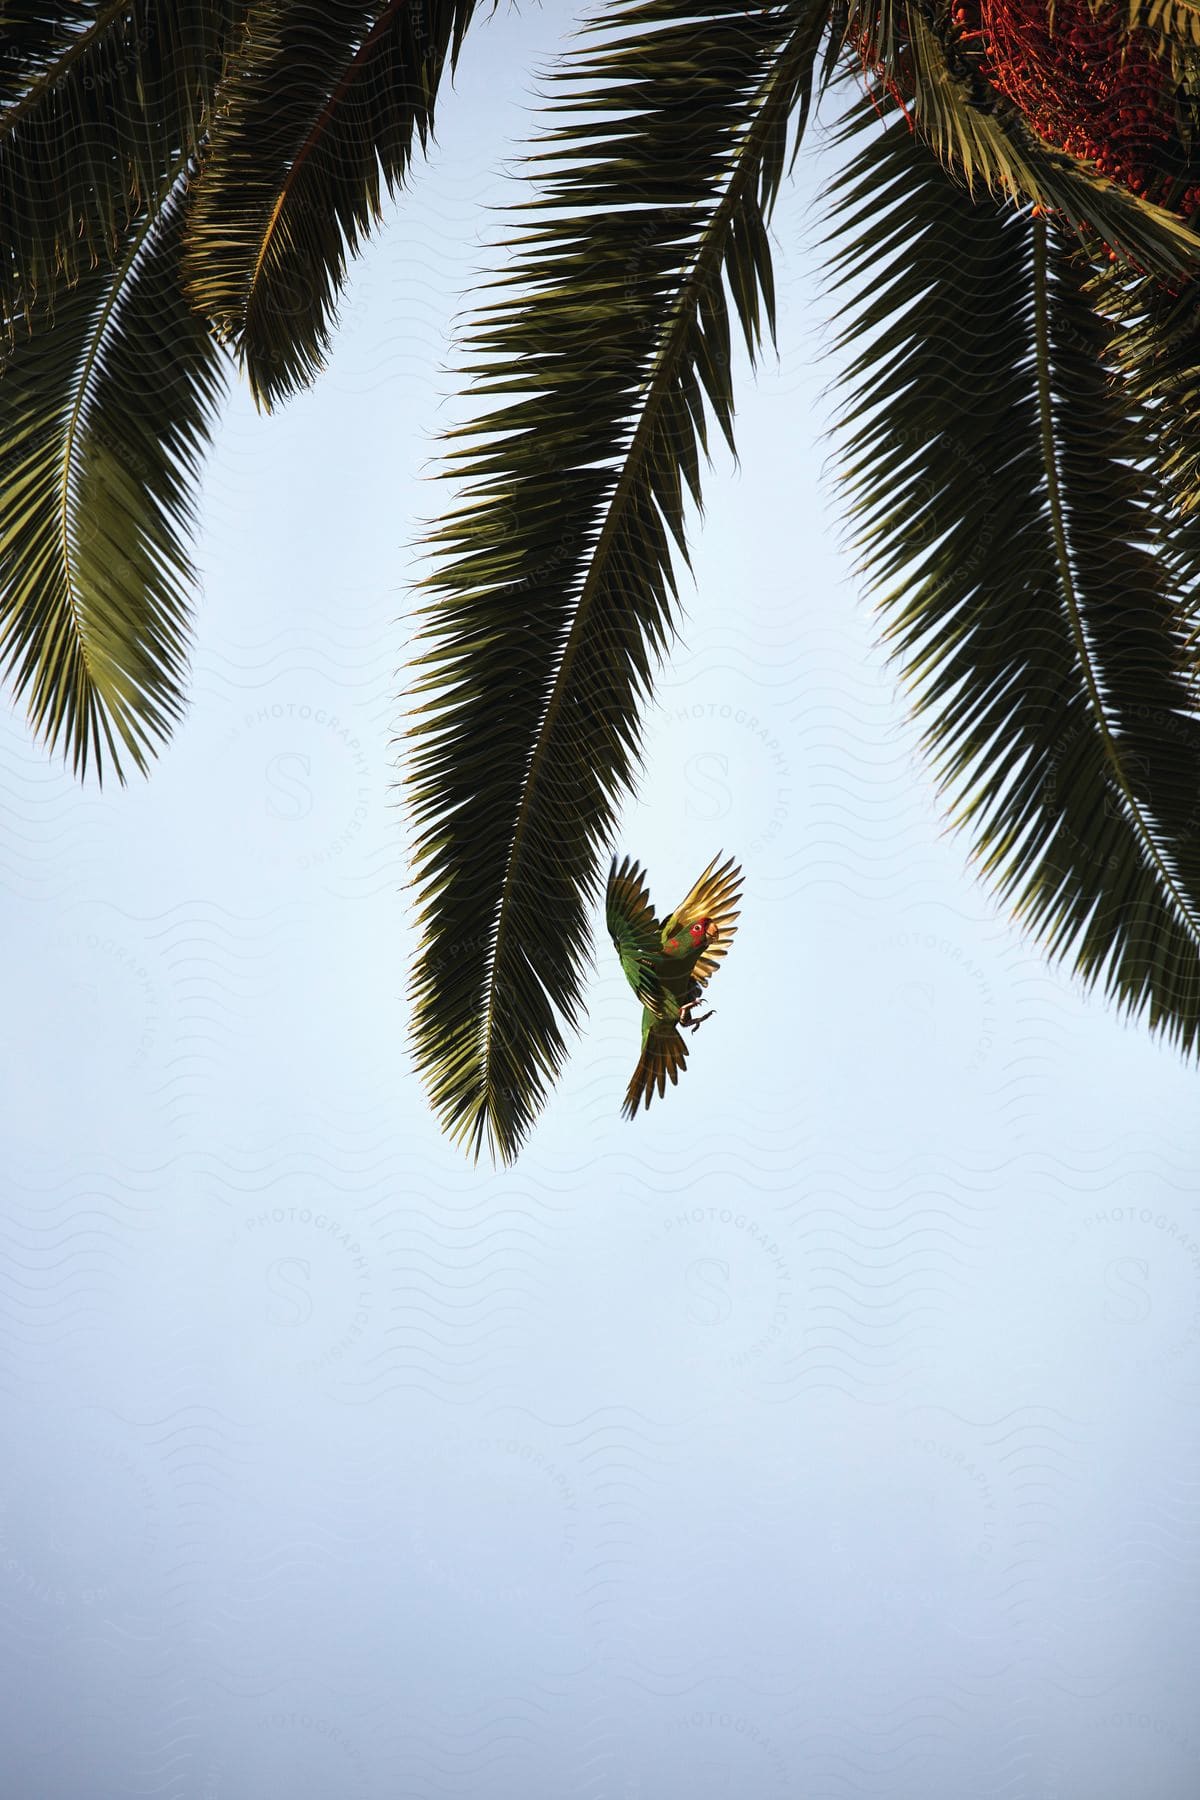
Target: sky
829,1431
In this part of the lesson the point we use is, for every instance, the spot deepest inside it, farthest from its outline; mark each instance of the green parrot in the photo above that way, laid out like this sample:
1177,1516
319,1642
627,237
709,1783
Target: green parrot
669,965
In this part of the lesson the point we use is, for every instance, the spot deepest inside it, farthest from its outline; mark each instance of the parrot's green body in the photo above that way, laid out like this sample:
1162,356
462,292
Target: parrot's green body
668,964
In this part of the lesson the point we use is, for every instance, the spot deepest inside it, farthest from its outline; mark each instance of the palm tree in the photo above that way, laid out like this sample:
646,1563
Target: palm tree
1018,282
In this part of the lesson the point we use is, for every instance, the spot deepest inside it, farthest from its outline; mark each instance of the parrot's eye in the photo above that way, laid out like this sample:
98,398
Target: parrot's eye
699,929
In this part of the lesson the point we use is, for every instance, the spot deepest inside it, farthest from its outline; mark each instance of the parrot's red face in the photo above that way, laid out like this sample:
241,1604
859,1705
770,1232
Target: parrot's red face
699,933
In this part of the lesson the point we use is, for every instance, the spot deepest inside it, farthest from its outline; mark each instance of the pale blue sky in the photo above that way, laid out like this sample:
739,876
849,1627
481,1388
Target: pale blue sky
828,1431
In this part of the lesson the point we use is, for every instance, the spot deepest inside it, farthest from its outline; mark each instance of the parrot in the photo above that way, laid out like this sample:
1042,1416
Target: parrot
668,965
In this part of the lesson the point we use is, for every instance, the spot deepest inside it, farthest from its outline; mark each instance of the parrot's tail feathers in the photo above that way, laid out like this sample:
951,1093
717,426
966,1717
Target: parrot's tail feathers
663,1056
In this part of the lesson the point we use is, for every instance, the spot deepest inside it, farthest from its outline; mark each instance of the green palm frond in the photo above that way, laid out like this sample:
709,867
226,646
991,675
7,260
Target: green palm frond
998,482
834,55
1176,21
991,147
103,413
1156,347
606,344
98,99
1155,351
327,95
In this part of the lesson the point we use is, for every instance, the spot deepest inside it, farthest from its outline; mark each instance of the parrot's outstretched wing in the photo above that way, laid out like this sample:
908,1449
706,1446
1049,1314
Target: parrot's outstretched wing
715,896
634,932
664,1054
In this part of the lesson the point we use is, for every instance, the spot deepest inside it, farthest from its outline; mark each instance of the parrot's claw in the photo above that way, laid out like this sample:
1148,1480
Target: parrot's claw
686,1019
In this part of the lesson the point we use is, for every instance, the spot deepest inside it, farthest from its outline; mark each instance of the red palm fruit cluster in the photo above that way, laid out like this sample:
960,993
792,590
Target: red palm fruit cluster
1089,85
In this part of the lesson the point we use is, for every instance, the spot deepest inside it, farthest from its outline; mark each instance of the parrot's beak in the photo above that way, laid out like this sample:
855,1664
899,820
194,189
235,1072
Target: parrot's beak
712,934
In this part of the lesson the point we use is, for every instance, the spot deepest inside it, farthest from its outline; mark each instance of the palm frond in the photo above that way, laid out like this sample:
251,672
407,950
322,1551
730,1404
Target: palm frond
1176,21
980,136
833,56
326,96
98,99
608,340
1156,347
997,478
103,414
1154,350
